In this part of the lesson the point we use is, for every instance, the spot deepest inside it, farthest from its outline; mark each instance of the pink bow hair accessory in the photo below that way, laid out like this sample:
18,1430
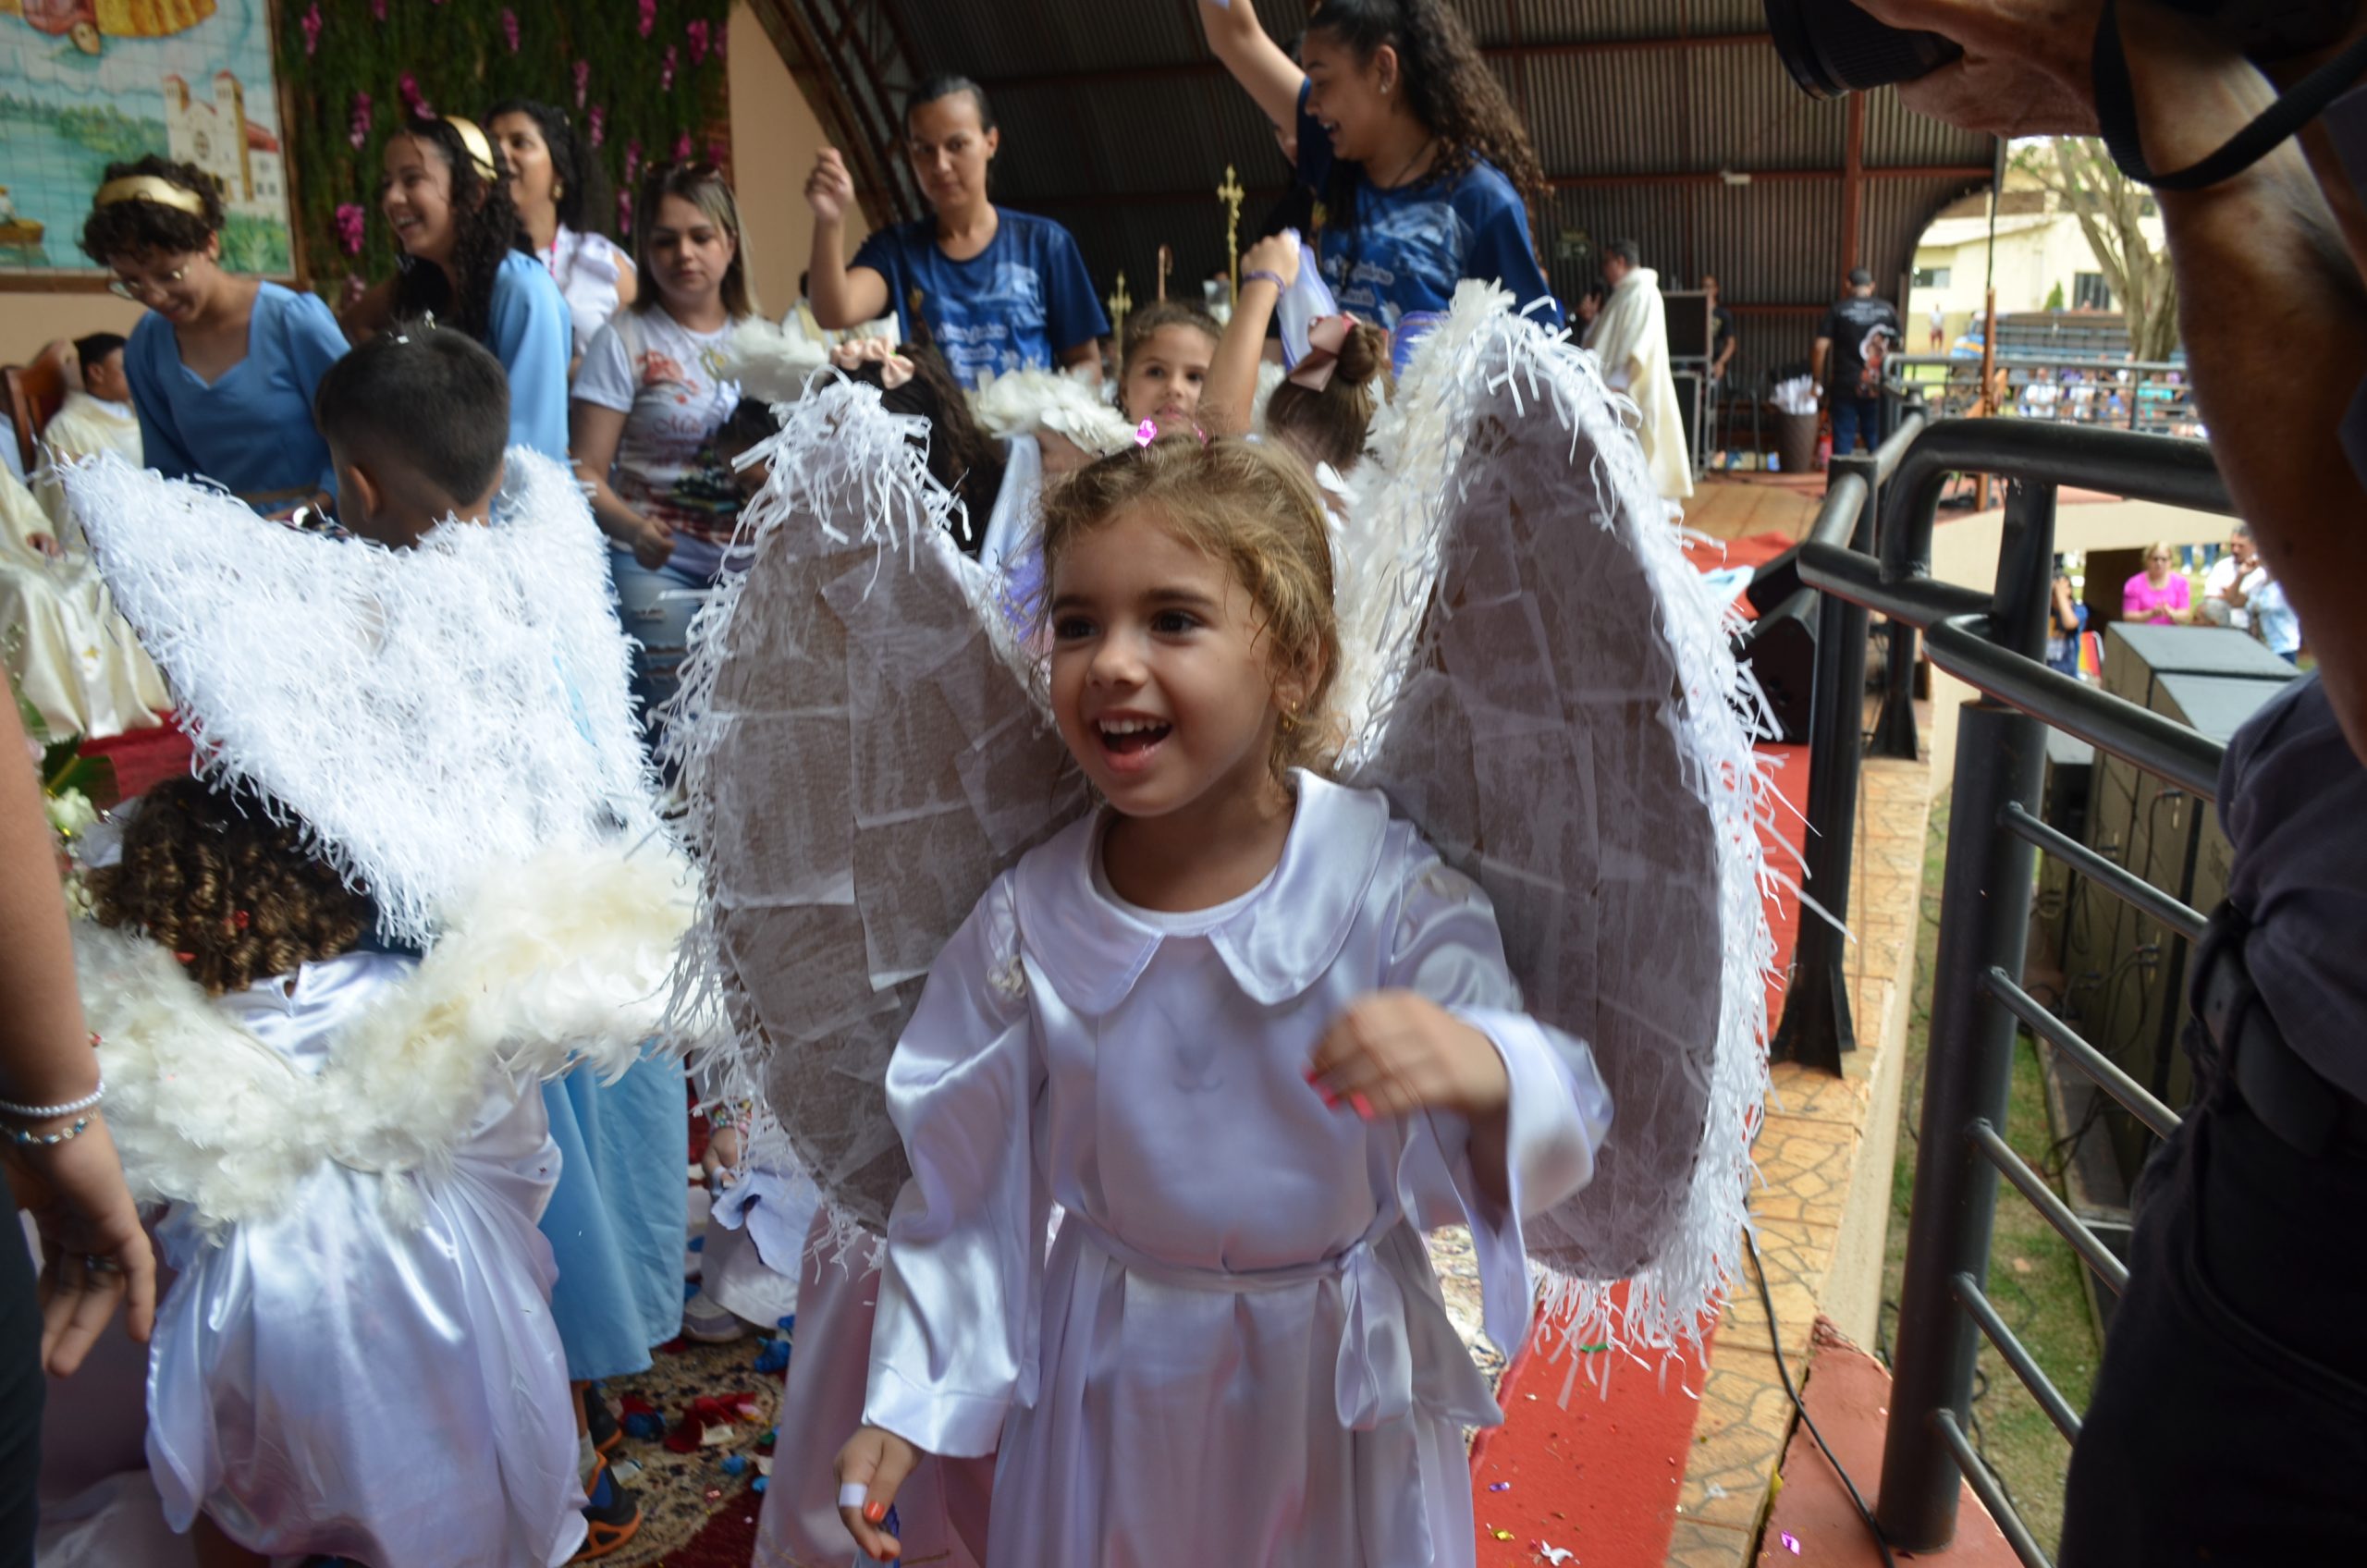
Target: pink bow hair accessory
1325,336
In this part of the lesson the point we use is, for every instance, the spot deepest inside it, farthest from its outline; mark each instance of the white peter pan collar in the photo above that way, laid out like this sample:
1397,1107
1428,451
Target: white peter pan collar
1276,945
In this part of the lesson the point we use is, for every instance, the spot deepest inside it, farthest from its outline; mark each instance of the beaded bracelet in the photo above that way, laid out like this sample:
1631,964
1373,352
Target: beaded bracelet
1274,278
23,1139
51,1112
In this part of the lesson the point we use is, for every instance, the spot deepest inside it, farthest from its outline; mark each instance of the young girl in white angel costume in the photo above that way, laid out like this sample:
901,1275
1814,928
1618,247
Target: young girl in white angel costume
1253,1036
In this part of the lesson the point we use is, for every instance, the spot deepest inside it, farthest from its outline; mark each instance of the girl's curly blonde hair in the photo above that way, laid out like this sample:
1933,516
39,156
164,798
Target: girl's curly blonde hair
1255,508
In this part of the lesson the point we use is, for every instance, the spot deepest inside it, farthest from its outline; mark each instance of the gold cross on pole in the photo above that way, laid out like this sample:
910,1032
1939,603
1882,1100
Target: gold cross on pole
1119,302
1230,194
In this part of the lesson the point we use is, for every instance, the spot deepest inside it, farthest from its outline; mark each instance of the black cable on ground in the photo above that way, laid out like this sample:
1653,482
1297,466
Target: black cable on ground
1775,1338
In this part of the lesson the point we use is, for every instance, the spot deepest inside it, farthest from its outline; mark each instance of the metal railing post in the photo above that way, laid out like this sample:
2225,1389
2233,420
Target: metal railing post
1984,923
1817,1027
1984,919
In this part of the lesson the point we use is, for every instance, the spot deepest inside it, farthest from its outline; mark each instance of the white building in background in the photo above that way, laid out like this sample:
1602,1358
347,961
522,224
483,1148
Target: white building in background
2040,248
218,138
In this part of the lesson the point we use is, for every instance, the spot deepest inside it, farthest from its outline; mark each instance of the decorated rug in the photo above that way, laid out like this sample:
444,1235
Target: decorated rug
702,1496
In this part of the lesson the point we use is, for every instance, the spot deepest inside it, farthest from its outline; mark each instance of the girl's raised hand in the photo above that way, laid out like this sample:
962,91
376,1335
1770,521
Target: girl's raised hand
830,189
1392,1053
876,1461
1277,253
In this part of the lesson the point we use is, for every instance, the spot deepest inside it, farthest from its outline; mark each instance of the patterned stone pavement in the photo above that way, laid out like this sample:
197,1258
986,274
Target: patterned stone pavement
1809,1156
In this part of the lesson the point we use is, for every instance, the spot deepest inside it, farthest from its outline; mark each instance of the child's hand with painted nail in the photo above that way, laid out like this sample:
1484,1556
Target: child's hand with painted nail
871,1467
1395,1052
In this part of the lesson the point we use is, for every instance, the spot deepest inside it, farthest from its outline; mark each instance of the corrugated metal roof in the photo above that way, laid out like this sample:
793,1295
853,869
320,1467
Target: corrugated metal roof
1117,123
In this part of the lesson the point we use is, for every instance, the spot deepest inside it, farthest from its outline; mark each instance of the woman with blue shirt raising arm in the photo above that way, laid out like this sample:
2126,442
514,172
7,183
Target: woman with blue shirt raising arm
444,192
222,367
995,290
1422,166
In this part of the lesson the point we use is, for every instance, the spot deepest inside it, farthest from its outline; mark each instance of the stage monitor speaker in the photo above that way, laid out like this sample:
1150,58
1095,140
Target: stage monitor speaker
1777,579
1780,648
1688,324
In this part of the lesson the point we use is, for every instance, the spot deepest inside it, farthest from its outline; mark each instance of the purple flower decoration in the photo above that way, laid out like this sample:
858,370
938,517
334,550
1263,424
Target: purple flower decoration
682,148
648,17
624,214
350,221
357,130
377,10
697,33
632,161
666,69
510,28
311,23
599,123
583,81
715,150
414,102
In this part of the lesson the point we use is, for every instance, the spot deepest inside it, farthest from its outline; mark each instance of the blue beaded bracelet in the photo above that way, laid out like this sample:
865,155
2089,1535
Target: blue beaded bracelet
22,1139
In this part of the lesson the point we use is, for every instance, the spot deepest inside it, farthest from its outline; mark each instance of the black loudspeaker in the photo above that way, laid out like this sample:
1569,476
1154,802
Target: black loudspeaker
1688,324
1776,579
1780,646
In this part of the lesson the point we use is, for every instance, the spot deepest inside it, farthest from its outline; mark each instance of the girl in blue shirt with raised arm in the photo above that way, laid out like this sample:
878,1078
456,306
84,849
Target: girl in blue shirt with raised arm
995,290
1424,170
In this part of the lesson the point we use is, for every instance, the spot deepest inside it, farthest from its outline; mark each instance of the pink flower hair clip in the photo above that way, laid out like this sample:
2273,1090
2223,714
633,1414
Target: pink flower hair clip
1148,432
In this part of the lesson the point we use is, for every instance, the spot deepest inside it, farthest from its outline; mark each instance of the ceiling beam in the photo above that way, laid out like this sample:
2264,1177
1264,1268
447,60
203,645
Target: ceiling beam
1560,182
1584,49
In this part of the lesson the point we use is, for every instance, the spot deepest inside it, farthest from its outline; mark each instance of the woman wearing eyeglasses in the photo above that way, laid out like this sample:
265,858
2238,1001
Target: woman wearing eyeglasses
222,367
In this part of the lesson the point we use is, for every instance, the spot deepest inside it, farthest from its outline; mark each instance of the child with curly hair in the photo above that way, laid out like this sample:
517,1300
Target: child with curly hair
397,1344
1425,175
1251,1034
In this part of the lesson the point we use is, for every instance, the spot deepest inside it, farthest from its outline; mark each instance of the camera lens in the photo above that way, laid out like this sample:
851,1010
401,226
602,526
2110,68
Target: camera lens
1832,48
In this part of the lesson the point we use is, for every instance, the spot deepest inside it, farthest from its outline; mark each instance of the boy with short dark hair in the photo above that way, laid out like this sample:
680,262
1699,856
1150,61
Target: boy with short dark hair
415,420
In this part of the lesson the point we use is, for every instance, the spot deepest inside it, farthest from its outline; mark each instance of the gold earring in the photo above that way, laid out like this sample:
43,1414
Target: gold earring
1290,721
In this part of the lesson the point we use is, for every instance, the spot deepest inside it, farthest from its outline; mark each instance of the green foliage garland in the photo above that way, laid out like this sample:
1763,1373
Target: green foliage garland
349,65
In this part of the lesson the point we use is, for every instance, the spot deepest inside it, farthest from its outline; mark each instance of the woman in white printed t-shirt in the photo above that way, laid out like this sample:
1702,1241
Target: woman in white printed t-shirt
646,407
559,196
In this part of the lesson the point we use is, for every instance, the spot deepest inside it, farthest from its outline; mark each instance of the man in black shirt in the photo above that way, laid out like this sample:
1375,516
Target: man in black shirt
1722,341
1859,333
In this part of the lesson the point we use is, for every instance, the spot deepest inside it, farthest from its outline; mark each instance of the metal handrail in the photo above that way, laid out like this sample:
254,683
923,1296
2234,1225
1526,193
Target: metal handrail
1992,642
2139,468
1816,1027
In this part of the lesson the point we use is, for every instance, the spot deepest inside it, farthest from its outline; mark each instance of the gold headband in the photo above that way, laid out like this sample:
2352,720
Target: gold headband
480,150
150,188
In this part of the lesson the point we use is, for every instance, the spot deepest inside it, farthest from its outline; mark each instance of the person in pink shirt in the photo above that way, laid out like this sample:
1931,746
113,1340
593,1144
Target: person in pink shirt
2160,594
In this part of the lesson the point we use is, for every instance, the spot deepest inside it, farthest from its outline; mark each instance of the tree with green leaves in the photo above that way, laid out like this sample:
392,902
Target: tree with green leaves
2111,210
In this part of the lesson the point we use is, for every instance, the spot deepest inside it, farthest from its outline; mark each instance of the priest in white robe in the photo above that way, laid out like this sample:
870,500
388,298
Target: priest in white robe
1631,338
97,417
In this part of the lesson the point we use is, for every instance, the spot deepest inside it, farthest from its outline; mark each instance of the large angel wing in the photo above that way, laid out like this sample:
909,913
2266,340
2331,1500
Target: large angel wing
1539,679
859,656
427,713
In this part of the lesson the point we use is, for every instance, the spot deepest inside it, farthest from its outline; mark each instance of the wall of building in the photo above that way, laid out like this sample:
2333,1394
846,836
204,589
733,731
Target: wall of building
774,138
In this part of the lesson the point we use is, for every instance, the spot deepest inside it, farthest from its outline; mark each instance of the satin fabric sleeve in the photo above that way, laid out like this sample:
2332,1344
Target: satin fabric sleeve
1447,947
527,330
954,1341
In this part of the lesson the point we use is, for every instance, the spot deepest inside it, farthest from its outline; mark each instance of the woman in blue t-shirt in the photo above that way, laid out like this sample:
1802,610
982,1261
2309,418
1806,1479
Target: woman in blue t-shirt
1423,168
995,290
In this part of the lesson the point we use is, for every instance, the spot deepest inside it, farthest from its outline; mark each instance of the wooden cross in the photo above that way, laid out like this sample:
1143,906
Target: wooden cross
1166,265
1230,194
1119,302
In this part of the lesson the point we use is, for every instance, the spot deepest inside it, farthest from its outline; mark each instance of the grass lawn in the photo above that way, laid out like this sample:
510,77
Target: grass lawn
2033,1274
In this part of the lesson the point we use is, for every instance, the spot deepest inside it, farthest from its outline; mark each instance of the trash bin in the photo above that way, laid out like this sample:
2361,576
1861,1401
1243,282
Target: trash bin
1795,441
